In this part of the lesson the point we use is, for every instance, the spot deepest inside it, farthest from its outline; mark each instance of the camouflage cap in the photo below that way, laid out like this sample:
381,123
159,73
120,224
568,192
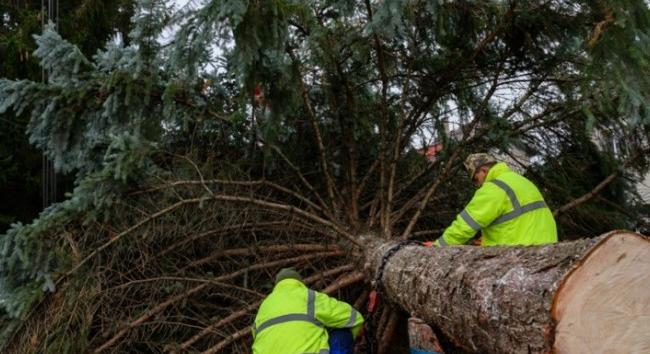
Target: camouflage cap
287,273
474,161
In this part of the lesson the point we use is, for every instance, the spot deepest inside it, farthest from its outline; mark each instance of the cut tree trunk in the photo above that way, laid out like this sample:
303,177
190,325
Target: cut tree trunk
586,296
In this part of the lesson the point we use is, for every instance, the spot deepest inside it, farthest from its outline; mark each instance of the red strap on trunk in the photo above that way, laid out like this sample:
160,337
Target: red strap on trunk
372,301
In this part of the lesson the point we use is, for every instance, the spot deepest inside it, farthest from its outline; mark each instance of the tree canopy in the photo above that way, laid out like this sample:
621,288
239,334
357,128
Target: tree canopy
296,126
88,24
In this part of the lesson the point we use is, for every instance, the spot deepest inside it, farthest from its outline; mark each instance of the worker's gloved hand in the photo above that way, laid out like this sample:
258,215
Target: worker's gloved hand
428,243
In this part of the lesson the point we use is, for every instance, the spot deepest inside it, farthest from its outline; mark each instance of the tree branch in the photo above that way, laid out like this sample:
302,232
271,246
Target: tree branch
467,133
302,178
329,181
270,205
379,50
204,183
273,249
594,192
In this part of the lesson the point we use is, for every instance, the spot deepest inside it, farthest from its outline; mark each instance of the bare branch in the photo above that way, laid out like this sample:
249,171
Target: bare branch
388,331
594,192
302,178
397,144
329,181
186,279
453,157
196,168
379,50
365,179
270,205
204,183
226,229
237,335
303,248
430,192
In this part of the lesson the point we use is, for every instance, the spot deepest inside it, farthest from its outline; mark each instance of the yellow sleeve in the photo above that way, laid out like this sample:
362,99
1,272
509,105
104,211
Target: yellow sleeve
333,313
480,212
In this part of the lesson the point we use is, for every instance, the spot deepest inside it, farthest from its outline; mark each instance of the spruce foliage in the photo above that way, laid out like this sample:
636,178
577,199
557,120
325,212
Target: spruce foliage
88,24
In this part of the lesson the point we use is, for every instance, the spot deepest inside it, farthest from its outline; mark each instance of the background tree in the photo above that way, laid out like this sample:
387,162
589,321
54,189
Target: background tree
88,24
277,133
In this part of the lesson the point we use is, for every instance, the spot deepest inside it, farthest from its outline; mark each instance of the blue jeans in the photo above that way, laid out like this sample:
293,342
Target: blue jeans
420,351
341,341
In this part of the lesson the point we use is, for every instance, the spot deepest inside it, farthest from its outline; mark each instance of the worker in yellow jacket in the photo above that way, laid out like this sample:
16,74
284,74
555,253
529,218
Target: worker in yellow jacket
294,319
507,209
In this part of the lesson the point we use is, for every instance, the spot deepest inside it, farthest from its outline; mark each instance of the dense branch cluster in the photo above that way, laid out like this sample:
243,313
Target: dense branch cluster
176,270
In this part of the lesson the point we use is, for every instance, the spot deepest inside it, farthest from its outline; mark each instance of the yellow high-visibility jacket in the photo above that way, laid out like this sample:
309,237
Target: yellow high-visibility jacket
508,209
294,319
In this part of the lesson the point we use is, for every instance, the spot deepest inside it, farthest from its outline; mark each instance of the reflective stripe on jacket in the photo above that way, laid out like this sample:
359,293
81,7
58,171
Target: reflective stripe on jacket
508,210
294,319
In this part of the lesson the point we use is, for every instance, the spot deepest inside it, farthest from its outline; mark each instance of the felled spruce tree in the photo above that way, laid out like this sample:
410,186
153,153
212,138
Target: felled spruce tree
266,134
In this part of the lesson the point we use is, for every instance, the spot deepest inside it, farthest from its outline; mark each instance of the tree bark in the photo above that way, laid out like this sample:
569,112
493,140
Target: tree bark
539,299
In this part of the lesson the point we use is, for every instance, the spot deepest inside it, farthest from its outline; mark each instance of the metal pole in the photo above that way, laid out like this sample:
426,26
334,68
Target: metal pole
49,175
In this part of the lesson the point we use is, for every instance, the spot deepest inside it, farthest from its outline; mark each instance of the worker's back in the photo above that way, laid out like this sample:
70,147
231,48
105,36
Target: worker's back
295,335
524,218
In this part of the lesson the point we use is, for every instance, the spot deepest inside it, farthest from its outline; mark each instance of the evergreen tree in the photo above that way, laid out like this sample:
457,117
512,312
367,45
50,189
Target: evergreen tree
285,123
88,24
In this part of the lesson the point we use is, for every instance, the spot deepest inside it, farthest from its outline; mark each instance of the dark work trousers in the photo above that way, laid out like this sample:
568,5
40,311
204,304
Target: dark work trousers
341,341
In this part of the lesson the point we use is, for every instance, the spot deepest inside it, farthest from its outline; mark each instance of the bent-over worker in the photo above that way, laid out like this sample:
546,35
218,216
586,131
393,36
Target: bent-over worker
507,209
294,319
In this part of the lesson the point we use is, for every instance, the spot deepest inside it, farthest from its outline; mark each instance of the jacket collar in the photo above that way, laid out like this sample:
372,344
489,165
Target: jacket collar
289,283
497,170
